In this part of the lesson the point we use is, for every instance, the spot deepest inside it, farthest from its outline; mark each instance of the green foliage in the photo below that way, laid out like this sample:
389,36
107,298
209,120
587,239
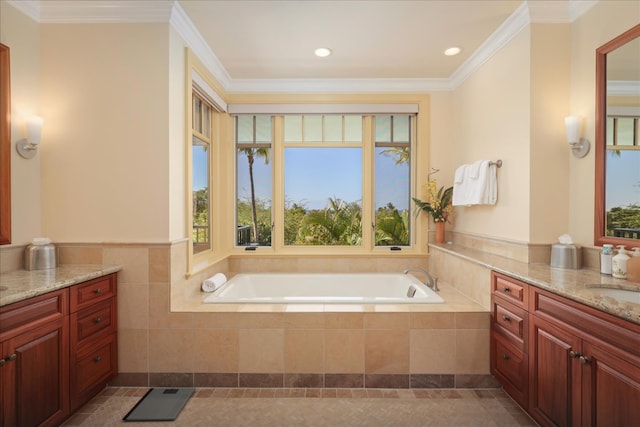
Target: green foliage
263,215
392,227
623,217
339,224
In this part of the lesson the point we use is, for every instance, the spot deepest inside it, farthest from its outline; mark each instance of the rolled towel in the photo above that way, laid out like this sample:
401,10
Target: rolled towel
214,282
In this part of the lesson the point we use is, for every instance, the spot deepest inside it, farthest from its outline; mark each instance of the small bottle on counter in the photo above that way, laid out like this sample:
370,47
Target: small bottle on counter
605,259
633,266
619,263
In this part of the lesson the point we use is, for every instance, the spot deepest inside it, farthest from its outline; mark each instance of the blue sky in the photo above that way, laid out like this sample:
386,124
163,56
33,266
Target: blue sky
315,174
623,179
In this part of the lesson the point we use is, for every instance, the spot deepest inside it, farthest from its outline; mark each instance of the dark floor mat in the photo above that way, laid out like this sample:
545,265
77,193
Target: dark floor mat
160,404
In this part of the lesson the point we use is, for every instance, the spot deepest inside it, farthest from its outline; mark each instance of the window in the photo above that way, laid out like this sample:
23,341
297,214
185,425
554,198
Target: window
623,176
336,172
323,180
201,173
392,180
254,135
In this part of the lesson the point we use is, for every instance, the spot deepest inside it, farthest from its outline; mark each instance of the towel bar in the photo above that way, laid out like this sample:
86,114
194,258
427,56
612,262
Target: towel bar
498,163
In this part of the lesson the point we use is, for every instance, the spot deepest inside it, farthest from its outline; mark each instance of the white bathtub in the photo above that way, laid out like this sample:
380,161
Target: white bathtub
310,288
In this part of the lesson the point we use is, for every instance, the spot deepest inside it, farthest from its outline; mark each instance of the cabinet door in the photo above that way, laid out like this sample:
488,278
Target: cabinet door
36,376
554,375
611,387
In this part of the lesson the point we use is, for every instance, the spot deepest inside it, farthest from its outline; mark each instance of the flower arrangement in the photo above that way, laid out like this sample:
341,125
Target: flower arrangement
438,201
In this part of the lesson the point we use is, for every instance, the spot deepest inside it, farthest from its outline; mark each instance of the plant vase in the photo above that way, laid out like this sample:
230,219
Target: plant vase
439,232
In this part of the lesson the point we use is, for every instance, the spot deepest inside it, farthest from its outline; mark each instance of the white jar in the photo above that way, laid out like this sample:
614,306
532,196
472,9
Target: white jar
619,263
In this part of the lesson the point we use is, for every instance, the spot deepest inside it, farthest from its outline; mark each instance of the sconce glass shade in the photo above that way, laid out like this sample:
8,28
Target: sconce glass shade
28,146
579,146
34,129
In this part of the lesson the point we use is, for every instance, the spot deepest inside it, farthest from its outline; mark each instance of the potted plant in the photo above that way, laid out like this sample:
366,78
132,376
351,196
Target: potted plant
437,205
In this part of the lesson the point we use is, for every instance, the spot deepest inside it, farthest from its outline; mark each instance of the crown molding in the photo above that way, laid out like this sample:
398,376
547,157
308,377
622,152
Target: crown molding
130,11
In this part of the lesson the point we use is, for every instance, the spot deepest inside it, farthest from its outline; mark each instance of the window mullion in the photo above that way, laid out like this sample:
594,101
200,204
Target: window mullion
277,233
368,218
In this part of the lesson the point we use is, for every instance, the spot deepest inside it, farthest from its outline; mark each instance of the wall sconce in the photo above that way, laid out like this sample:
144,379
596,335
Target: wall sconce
579,146
28,146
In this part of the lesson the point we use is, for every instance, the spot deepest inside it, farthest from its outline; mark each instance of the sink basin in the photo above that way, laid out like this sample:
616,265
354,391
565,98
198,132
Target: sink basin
620,294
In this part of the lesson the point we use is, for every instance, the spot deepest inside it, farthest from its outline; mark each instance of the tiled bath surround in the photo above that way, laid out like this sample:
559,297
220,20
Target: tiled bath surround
160,347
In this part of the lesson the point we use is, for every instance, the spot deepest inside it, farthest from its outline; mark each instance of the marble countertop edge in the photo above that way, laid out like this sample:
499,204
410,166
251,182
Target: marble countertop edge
578,285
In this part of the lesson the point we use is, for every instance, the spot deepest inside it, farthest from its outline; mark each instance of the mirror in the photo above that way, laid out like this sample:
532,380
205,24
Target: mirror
5,147
617,191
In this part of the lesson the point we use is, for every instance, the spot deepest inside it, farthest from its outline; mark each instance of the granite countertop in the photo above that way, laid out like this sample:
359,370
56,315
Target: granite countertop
583,285
22,284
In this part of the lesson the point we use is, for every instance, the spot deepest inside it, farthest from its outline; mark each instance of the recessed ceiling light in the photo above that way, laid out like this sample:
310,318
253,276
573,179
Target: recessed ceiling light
322,52
452,51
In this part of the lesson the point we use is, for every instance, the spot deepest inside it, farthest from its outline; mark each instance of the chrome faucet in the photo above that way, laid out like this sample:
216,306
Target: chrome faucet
430,281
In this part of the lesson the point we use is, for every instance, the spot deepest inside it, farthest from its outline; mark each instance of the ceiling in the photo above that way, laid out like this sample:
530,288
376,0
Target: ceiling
388,45
369,39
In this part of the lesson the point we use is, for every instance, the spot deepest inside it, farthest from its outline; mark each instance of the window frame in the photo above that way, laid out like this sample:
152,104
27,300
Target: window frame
368,147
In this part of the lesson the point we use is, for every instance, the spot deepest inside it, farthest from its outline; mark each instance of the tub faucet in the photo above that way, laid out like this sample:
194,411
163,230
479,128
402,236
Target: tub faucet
430,281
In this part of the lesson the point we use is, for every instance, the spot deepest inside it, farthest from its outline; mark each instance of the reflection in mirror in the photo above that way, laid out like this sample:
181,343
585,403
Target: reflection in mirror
618,141
5,147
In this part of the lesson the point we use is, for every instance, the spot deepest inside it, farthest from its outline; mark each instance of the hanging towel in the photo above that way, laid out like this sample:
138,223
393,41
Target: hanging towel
479,190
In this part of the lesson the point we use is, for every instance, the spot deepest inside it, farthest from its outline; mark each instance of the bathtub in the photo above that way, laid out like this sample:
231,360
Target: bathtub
323,288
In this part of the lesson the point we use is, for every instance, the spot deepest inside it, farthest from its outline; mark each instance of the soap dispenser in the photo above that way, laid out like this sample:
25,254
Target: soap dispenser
619,263
633,266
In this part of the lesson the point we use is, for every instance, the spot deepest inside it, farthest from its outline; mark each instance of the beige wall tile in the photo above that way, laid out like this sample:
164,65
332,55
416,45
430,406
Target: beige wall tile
344,320
133,306
134,261
170,350
303,350
304,320
386,320
472,320
160,316
159,265
261,320
178,262
344,351
79,254
433,351
216,350
472,351
261,350
387,351
216,320
133,350
432,320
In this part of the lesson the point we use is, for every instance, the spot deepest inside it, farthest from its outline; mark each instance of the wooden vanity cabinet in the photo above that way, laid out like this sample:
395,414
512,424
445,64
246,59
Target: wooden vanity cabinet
584,365
34,371
94,351
57,351
509,336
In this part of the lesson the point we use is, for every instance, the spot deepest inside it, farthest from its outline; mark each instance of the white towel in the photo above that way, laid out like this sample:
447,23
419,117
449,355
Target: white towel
214,282
460,186
481,190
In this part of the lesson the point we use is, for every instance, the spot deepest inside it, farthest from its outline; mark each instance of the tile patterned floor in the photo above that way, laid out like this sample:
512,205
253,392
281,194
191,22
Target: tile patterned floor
210,407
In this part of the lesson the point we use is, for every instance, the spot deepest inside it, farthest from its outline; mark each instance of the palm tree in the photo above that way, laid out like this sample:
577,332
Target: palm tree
340,223
252,153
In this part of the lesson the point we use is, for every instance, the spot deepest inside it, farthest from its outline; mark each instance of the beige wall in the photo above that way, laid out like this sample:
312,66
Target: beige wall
600,24
492,121
105,162
22,35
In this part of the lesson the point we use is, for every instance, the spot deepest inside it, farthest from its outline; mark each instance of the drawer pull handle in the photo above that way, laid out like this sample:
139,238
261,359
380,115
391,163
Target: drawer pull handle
585,360
97,291
11,357
97,359
505,357
97,320
506,318
506,289
574,354
1,363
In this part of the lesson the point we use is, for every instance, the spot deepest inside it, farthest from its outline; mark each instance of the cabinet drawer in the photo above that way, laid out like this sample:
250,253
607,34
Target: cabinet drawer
510,289
510,366
90,292
25,315
93,321
92,369
511,321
